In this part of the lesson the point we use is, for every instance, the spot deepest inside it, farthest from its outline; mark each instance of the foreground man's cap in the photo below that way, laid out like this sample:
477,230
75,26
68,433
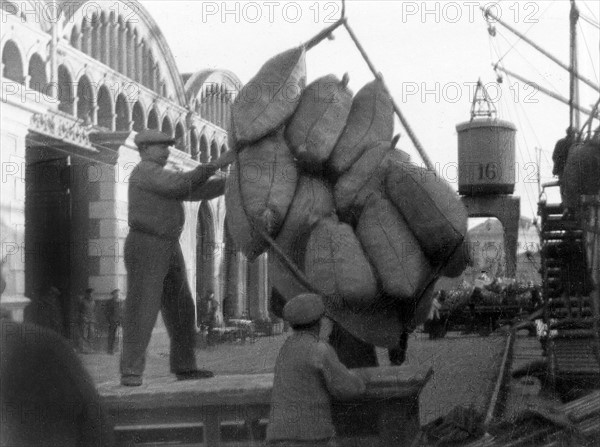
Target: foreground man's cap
304,309
150,136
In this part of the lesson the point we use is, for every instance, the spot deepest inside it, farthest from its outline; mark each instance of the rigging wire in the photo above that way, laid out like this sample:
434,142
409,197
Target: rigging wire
541,75
508,110
588,20
512,46
590,11
589,53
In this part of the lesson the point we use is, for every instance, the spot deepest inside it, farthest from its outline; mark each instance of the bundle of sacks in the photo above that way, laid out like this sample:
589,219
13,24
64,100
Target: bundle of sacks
317,169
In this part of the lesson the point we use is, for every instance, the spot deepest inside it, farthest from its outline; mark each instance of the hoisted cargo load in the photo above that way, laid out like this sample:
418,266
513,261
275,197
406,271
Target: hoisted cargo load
270,98
486,157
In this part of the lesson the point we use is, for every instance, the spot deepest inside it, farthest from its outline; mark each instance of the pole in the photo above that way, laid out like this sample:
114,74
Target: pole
325,34
54,51
544,90
403,120
540,49
285,260
573,84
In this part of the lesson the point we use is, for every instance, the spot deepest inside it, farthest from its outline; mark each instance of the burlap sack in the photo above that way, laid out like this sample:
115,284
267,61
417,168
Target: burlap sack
364,178
244,237
319,120
459,260
269,99
371,119
268,178
312,201
430,207
336,264
392,249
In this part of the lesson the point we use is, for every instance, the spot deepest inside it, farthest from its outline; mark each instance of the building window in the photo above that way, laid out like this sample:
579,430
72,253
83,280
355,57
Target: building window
12,62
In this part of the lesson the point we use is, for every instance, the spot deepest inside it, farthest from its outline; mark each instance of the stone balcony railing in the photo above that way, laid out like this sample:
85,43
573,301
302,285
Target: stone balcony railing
234,410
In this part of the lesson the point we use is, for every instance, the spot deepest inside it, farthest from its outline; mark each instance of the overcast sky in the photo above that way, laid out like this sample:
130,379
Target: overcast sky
430,54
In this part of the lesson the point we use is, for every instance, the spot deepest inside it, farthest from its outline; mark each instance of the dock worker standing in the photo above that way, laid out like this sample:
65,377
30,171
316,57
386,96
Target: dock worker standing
561,152
156,274
113,317
308,374
560,155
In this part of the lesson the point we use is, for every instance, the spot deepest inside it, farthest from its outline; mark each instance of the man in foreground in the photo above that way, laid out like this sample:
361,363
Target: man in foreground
308,374
156,275
46,395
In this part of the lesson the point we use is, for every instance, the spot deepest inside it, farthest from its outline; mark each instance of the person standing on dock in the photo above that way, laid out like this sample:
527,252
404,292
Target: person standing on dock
87,320
308,374
114,313
561,153
156,273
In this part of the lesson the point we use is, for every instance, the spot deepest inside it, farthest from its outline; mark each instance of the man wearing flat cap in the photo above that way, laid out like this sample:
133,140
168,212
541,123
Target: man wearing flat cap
156,275
307,374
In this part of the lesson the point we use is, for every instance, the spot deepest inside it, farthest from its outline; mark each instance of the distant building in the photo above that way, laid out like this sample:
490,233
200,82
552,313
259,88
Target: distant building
487,252
488,247
73,96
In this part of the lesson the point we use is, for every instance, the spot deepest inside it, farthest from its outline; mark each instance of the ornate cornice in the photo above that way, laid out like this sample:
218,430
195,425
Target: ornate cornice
62,128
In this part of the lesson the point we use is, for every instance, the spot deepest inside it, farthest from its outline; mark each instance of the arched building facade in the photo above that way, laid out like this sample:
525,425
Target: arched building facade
73,100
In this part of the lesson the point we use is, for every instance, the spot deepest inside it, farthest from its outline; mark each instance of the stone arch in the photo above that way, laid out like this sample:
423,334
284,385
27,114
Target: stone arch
95,25
205,261
167,127
12,62
153,119
180,142
214,150
147,29
37,74
122,112
204,154
223,148
213,92
194,144
85,99
75,38
65,90
138,118
105,108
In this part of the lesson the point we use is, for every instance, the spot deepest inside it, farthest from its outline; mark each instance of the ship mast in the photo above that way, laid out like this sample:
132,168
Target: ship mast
573,82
